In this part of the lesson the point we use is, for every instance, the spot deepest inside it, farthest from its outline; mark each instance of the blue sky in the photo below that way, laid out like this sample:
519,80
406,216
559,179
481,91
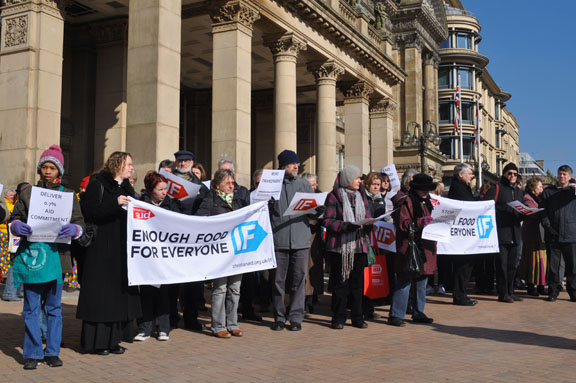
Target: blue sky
532,50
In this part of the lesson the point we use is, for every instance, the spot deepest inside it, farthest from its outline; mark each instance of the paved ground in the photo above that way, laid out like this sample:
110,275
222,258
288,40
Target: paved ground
530,341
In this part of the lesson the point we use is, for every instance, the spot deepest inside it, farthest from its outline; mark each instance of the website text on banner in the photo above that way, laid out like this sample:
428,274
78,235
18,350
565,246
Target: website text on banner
474,229
180,188
49,210
165,247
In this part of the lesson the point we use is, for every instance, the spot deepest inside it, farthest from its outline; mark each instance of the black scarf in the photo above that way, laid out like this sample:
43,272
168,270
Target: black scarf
417,202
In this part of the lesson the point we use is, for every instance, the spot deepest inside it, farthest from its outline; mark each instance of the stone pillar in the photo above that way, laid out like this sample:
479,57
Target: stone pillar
382,129
31,49
357,128
430,88
232,85
153,82
413,84
327,159
285,50
111,38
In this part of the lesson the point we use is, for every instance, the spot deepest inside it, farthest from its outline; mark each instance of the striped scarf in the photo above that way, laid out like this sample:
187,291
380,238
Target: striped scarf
348,241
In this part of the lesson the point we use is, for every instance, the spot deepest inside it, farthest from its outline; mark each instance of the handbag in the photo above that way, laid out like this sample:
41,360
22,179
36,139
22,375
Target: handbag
414,257
91,231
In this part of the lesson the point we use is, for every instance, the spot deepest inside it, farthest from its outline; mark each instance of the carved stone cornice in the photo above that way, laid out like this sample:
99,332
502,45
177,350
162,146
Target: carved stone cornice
285,47
327,71
342,32
15,31
383,108
54,7
360,90
232,15
109,31
409,40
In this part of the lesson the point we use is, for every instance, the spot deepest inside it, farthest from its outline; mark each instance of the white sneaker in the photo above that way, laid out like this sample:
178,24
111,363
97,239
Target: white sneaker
163,336
141,337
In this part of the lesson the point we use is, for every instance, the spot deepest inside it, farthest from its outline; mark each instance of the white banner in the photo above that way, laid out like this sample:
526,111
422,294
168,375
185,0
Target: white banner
165,247
384,236
305,203
390,170
523,209
180,188
439,230
49,210
270,185
474,229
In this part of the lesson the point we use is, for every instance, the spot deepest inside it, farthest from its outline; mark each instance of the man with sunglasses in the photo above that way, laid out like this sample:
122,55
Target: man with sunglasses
509,231
559,221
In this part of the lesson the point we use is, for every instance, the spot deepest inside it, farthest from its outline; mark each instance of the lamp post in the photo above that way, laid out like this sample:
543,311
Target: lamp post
420,136
484,167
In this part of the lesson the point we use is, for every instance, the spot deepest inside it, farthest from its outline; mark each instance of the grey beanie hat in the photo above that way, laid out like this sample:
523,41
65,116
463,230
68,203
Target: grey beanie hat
348,175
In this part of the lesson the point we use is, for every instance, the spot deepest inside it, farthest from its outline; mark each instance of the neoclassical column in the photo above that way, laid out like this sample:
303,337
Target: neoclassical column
232,85
431,63
413,46
326,75
153,82
31,49
382,133
357,125
285,50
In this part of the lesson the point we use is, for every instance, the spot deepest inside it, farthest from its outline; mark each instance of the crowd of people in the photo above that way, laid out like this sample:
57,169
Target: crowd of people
538,250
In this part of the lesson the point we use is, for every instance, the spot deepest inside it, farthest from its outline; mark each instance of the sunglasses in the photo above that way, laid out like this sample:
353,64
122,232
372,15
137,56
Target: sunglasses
512,174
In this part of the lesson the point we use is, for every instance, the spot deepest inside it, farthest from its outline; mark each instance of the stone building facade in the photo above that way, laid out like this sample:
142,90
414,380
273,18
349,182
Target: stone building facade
336,80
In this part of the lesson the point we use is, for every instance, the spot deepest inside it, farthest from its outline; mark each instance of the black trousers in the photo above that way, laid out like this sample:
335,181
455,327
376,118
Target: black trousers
556,252
352,288
463,266
248,292
191,296
484,272
506,267
446,271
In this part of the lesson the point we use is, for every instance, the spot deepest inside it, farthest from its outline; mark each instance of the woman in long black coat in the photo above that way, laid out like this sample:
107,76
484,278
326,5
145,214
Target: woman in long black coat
107,306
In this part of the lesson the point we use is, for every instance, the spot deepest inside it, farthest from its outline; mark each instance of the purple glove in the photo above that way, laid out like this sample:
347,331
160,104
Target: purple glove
424,221
69,230
20,229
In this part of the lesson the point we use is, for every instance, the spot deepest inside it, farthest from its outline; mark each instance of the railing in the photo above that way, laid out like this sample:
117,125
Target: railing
455,11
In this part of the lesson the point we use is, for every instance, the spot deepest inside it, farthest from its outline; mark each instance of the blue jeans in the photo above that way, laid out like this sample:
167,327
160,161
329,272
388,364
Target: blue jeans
402,294
225,298
11,293
34,293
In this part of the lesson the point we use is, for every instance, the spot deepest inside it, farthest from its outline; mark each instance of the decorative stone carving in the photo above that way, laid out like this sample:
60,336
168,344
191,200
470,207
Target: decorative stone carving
327,71
235,12
432,58
360,89
53,3
16,32
287,46
383,107
412,40
380,16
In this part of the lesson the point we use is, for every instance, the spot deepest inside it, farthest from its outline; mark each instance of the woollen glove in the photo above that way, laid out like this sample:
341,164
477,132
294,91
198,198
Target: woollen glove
272,207
20,229
69,230
423,221
319,211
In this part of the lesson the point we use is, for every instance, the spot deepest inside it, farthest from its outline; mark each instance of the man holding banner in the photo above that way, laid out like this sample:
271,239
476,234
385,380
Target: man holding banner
509,231
463,264
292,242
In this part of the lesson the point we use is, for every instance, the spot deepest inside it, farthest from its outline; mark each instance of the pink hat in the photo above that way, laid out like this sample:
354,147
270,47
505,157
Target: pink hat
52,154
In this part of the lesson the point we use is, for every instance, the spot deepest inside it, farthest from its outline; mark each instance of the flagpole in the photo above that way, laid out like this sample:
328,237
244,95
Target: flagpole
460,123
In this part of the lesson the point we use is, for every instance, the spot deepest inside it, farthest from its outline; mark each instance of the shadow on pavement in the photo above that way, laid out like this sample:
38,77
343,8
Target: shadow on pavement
508,336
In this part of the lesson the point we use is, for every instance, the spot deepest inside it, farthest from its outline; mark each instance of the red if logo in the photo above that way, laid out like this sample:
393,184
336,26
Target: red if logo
385,235
435,202
142,214
305,204
176,190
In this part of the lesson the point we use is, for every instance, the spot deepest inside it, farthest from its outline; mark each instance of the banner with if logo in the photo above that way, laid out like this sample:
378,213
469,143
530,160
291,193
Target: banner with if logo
473,230
384,236
180,188
165,247
305,203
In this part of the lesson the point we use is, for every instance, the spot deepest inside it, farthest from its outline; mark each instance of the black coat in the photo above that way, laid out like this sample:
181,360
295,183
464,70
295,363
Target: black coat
376,204
212,204
460,191
104,294
507,219
168,203
559,218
